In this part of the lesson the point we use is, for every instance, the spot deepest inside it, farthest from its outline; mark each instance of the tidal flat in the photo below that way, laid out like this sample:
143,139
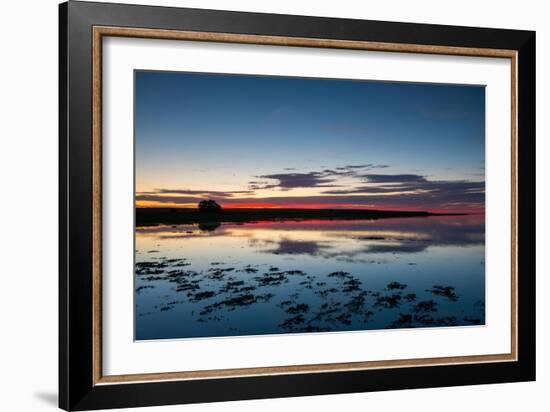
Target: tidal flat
216,279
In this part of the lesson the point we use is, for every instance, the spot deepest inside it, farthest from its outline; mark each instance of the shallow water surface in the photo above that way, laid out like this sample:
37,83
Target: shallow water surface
227,279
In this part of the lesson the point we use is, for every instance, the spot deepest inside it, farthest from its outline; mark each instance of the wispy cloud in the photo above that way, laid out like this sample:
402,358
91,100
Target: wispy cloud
408,189
231,193
387,178
287,181
363,166
323,178
349,186
189,195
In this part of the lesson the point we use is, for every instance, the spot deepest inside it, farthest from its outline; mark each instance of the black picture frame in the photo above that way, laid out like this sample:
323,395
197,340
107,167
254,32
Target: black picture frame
77,390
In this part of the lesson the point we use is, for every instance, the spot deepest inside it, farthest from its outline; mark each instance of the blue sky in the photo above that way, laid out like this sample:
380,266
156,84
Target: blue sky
256,138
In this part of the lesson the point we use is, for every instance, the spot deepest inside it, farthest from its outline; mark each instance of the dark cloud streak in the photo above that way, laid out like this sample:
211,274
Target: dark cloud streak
400,191
387,178
287,181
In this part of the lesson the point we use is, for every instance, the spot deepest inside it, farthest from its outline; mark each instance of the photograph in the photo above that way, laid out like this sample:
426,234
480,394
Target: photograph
270,205
278,203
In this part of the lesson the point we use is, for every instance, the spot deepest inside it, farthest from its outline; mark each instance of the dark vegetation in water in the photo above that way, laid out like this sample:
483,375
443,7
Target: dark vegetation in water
388,301
445,291
410,297
395,286
272,279
343,300
142,288
299,308
249,270
425,306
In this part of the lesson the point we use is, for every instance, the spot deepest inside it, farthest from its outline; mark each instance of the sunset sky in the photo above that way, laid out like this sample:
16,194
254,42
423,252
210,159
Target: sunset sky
257,141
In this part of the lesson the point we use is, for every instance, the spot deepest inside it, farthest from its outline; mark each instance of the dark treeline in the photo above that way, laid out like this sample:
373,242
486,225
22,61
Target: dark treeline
151,216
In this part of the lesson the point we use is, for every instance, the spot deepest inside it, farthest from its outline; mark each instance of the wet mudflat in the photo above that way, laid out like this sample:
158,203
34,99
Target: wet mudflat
231,279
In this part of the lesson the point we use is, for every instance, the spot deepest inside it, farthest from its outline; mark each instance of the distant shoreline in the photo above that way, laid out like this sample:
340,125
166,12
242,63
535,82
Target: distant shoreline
154,216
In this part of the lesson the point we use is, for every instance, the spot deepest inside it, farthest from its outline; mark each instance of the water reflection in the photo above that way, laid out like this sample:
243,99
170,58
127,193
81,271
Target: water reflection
310,276
209,226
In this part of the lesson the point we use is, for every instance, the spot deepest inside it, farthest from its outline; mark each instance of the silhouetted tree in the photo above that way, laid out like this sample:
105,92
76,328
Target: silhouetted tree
209,206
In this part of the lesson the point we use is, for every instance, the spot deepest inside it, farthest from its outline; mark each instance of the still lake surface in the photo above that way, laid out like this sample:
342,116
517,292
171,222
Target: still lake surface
228,279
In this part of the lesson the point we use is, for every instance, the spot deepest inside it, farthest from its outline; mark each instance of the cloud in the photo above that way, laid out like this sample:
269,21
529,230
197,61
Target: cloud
417,201
371,190
323,178
286,181
185,196
167,199
200,193
415,190
363,166
403,178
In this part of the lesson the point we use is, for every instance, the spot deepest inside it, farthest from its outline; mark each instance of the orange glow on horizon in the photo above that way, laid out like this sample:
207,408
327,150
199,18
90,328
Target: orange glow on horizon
257,206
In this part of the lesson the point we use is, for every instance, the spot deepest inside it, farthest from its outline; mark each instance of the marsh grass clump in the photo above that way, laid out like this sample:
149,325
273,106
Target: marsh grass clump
271,279
153,278
410,297
299,308
340,299
295,272
218,273
202,295
239,301
356,304
352,285
395,286
388,301
142,288
285,303
236,301
444,291
232,285
292,322
425,306
405,320
249,270
344,318
187,287
339,274
150,268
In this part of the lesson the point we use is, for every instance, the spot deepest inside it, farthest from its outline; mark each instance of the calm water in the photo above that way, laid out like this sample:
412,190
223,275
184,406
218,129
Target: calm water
311,276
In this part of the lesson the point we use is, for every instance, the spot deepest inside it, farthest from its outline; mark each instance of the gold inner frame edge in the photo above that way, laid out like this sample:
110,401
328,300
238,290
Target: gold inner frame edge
101,31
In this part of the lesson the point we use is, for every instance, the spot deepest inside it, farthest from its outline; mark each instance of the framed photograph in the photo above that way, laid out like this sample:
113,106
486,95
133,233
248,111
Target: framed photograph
257,206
